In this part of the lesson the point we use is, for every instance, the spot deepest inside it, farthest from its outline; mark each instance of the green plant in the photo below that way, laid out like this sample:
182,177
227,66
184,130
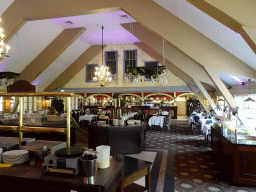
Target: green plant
58,104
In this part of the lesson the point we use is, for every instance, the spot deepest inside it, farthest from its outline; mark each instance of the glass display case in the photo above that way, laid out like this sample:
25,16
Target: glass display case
233,129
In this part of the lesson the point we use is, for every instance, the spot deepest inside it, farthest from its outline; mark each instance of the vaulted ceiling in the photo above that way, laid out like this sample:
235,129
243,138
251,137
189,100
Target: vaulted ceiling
203,37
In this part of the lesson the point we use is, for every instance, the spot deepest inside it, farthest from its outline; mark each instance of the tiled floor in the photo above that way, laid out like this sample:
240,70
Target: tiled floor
196,167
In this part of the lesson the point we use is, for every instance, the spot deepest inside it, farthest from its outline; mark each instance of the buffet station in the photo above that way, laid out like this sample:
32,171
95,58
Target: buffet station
59,166
236,145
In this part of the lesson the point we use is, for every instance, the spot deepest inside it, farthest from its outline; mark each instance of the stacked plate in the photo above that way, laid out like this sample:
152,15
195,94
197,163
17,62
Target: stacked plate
130,122
15,156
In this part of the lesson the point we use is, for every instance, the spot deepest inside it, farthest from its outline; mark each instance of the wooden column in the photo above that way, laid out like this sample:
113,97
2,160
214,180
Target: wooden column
20,119
68,122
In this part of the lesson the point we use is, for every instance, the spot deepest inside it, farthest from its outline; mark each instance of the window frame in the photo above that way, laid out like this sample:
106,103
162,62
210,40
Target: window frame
136,62
86,72
116,60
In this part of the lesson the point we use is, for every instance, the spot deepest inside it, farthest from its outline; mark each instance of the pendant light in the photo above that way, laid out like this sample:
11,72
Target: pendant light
249,99
102,75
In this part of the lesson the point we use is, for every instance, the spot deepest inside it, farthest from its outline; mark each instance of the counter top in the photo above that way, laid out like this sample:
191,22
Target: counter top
242,138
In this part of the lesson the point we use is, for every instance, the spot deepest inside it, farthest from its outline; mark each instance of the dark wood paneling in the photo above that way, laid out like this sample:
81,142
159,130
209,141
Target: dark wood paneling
238,160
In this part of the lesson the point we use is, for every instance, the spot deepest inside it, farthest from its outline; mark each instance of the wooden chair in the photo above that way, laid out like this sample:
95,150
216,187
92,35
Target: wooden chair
167,122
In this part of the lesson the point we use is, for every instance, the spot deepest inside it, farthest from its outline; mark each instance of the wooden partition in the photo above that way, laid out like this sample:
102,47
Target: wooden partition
21,128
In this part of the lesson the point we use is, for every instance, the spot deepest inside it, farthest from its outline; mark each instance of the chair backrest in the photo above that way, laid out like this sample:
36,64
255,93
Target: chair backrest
208,122
196,119
166,119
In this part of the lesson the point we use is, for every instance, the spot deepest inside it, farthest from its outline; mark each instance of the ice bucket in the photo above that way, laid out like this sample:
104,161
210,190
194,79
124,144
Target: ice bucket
89,164
103,156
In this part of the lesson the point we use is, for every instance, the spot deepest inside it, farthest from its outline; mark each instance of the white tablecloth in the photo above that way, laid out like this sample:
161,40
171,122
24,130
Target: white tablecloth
87,117
156,120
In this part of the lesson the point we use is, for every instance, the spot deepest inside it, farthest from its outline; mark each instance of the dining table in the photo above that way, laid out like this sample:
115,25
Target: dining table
156,120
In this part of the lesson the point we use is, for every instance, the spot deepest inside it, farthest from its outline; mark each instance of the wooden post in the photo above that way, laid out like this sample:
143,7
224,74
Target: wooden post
20,119
68,122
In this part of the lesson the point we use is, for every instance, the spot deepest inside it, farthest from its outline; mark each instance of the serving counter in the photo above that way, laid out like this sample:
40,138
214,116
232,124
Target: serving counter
237,150
125,139
32,177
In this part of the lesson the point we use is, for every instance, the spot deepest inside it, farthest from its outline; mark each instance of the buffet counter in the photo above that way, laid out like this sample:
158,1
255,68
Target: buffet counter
237,149
123,139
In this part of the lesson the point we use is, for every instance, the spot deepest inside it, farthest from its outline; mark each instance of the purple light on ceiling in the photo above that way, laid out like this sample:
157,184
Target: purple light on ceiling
239,80
113,32
35,83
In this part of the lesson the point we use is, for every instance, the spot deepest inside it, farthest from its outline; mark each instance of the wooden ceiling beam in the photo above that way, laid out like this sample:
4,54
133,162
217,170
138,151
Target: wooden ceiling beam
75,67
50,53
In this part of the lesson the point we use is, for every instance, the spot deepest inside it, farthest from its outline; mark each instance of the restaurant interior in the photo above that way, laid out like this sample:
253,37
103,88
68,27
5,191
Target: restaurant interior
129,95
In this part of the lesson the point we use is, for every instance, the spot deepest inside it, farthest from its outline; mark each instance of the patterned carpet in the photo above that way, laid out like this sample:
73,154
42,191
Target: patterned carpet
196,167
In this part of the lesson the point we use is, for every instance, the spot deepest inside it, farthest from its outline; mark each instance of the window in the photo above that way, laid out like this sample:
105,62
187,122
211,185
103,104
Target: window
39,101
150,64
12,101
35,104
130,59
111,61
1,103
25,104
90,72
30,104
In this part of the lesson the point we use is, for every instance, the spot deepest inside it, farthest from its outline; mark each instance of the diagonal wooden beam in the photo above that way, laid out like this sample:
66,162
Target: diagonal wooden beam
75,67
174,55
227,20
206,95
50,53
216,14
173,68
223,89
149,14
201,100
178,72
249,35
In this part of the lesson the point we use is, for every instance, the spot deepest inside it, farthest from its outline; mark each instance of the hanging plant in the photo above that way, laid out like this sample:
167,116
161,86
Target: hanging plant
146,71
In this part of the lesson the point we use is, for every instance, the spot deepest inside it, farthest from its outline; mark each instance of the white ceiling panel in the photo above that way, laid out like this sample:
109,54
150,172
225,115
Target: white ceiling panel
28,43
4,5
211,28
61,63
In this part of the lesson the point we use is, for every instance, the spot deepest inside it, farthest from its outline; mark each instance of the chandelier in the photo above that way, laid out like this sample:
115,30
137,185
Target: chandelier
3,48
102,75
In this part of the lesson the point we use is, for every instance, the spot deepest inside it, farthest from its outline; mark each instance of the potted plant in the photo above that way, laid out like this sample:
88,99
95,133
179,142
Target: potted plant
58,105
